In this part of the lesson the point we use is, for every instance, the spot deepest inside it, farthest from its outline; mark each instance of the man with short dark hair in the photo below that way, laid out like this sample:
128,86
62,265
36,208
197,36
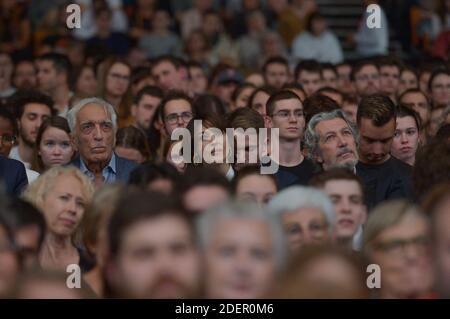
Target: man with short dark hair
329,75
144,106
366,78
390,68
384,176
169,73
176,111
53,76
152,250
285,112
6,71
24,76
308,74
276,72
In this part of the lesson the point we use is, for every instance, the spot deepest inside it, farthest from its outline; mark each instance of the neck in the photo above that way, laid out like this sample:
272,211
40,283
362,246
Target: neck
97,167
58,243
61,97
25,152
364,161
114,100
290,152
411,161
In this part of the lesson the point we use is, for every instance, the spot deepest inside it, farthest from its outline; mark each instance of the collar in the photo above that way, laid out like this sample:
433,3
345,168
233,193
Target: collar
111,165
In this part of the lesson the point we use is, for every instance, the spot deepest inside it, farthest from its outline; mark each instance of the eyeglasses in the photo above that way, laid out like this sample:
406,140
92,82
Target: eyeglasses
173,118
287,114
88,127
8,139
397,246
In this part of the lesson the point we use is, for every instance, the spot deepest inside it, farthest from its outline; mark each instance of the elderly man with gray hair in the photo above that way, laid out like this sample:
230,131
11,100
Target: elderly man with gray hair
243,248
331,140
93,125
307,214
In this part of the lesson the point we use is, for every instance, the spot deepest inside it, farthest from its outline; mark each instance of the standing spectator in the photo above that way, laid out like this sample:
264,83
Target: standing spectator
317,42
62,193
160,41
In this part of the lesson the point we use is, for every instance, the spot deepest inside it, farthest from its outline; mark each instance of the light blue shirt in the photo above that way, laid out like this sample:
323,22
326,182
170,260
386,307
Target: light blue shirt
109,172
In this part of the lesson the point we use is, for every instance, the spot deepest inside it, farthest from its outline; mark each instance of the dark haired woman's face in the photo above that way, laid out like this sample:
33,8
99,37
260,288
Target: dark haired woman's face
118,80
87,83
55,148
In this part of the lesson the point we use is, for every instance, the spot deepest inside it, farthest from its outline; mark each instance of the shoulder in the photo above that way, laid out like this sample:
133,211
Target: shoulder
10,164
400,166
123,163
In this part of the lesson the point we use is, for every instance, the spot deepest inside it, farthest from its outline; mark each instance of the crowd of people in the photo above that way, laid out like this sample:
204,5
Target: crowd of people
92,174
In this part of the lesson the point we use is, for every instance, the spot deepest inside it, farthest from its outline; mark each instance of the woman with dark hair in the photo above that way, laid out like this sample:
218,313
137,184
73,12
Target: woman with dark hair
114,86
84,81
53,144
131,143
241,95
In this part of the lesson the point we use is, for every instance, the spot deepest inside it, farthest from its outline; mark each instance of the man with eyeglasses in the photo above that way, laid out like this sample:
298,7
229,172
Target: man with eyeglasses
366,78
176,111
285,112
93,125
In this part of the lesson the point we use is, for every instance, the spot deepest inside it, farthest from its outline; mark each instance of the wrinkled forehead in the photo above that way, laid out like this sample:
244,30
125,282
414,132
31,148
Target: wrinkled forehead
93,112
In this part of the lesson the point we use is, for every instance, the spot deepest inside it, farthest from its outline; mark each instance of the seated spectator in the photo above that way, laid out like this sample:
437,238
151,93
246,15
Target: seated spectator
258,99
408,80
308,73
317,42
131,144
307,214
6,72
276,72
161,177
54,146
62,194
24,76
143,222
85,82
350,107
407,135
250,184
397,238
241,229
241,95
198,81
196,48
329,76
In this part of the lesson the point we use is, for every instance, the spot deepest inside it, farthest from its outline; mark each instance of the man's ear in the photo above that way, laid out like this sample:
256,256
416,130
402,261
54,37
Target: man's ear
268,122
74,142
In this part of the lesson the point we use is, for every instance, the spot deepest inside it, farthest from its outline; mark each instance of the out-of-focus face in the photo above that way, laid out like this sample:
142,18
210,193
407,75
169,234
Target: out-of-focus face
225,90
144,111
418,102
344,82
276,75
329,78
177,113
27,239
440,247
375,142
350,109
33,116
389,79
87,83
167,76
130,153
289,118
338,98
118,79
347,198
406,139
55,148
367,80
202,197
157,258
258,188
48,78
440,89
311,81
9,264
64,205
162,185
259,102
94,134
242,98
6,68
7,136
337,146
256,79
198,80
402,251
25,75
408,80
239,260
318,26
305,226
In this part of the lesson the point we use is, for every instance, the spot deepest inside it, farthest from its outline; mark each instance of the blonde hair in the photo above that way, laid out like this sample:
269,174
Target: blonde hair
385,215
36,192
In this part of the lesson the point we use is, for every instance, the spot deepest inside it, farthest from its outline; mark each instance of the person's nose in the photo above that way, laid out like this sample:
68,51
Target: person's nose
292,118
403,138
342,142
72,207
98,134
180,121
57,150
344,207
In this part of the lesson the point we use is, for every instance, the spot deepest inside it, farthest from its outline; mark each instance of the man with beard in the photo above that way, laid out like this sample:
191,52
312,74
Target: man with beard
152,253
366,78
285,112
24,77
384,176
331,140
31,108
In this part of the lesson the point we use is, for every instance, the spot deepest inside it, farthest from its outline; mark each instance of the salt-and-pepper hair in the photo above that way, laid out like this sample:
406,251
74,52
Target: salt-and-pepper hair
312,137
73,112
243,210
297,197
